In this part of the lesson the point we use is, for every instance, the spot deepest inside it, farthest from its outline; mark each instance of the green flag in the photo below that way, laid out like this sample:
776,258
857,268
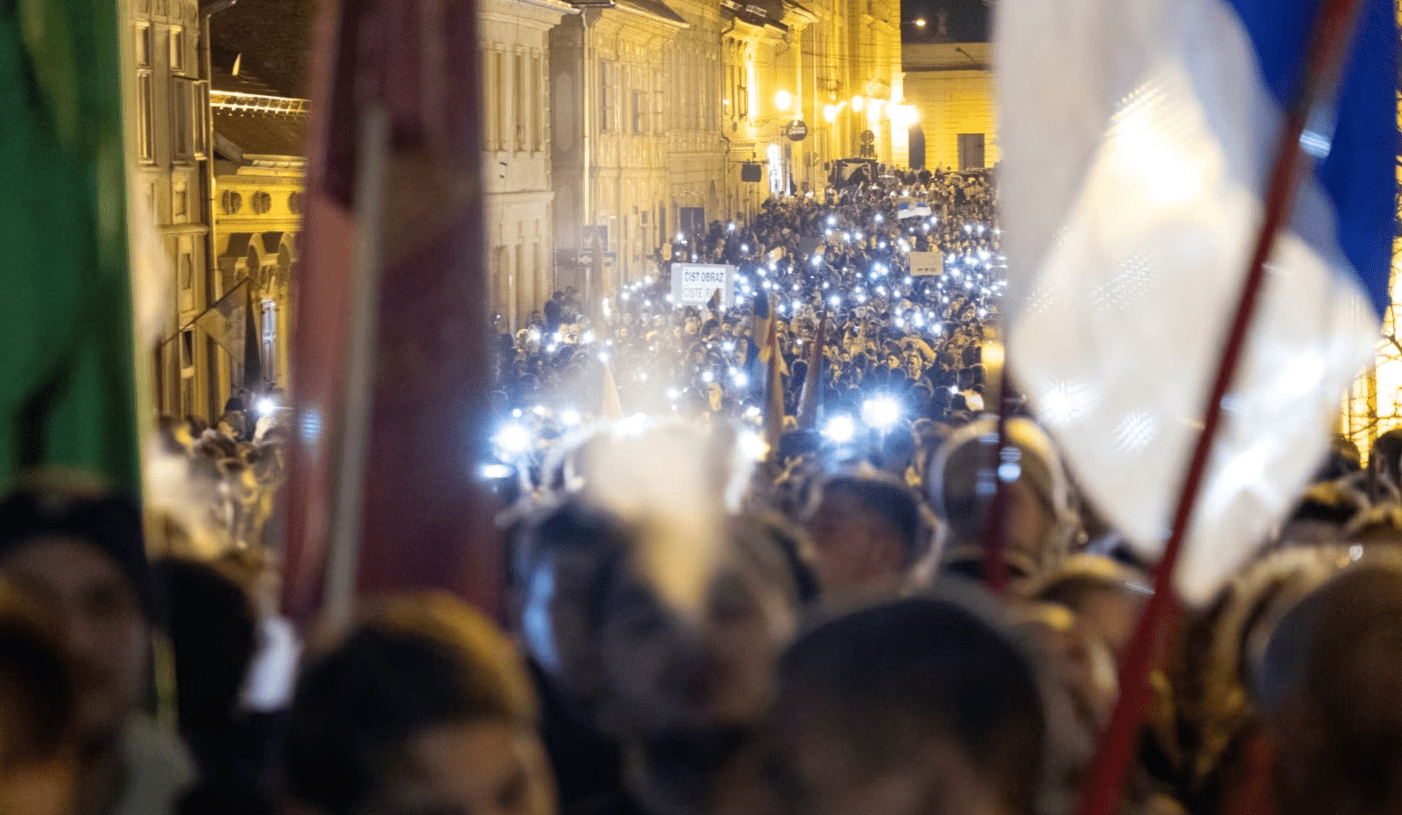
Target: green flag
67,397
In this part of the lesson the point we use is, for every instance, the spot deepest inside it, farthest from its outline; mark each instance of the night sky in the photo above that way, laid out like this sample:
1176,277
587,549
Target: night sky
968,20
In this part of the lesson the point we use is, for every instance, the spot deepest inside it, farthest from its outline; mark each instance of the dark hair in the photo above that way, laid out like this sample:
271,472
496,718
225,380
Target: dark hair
110,523
901,673
418,663
895,505
212,631
37,697
1338,654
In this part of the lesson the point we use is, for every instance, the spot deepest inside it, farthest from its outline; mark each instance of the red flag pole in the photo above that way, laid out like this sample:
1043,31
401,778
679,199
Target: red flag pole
1329,47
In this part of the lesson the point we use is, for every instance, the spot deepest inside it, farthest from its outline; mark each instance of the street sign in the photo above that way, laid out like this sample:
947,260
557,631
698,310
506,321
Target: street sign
797,130
868,137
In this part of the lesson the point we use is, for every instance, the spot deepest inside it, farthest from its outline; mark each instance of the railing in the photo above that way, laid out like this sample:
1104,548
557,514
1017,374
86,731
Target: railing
234,100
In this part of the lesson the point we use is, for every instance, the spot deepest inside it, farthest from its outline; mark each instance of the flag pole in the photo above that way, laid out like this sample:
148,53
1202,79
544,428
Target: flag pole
1324,61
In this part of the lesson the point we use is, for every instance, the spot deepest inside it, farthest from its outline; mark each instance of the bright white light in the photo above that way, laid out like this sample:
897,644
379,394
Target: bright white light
514,439
742,380
835,300
881,412
731,227
264,406
782,100
492,472
752,446
840,429
569,418
708,377
832,220
752,412
744,247
516,413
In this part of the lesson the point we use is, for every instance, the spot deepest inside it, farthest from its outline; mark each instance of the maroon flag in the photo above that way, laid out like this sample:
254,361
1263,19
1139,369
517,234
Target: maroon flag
392,343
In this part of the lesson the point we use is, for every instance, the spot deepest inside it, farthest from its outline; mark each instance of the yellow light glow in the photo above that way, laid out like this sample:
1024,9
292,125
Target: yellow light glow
782,100
919,22
857,103
829,113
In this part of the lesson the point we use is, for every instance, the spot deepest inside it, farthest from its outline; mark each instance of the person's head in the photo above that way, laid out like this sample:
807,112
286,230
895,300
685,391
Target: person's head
424,707
866,531
1105,596
84,558
212,631
38,708
711,669
962,485
1330,691
912,707
562,562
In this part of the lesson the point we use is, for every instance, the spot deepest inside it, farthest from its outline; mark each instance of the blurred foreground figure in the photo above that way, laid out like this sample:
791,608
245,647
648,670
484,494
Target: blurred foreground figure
1330,689
1040,521
866,533
423,709
656,609
915,707
82,557
38,748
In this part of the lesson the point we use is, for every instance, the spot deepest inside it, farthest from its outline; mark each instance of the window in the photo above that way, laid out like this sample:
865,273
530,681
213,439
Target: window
269,339
182,119
201,91
499,100
605,95
187,348
143,46
145,120
537,106
488,128
971,151
518,100
179,201
639,111
177,49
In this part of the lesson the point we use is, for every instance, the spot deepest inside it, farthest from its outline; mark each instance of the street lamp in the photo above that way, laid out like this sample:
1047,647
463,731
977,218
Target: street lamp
857,103
782,100
919,22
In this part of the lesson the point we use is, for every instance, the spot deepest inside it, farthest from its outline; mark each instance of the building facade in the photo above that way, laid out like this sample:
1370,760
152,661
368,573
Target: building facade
517,176
951,85
170,156
259,136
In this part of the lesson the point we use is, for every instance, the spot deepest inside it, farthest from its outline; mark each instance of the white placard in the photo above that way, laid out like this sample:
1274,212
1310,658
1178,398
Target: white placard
926,264
693,284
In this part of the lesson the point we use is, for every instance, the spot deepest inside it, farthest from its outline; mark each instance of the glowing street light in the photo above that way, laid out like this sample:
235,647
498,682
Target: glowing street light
782,100
857,103
919,22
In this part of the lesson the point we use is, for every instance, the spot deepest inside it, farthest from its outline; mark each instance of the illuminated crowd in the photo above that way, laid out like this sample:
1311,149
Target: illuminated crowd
913,343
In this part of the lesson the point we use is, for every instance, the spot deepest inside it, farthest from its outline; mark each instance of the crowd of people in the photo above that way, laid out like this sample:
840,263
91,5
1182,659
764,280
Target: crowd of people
699,621
842,261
